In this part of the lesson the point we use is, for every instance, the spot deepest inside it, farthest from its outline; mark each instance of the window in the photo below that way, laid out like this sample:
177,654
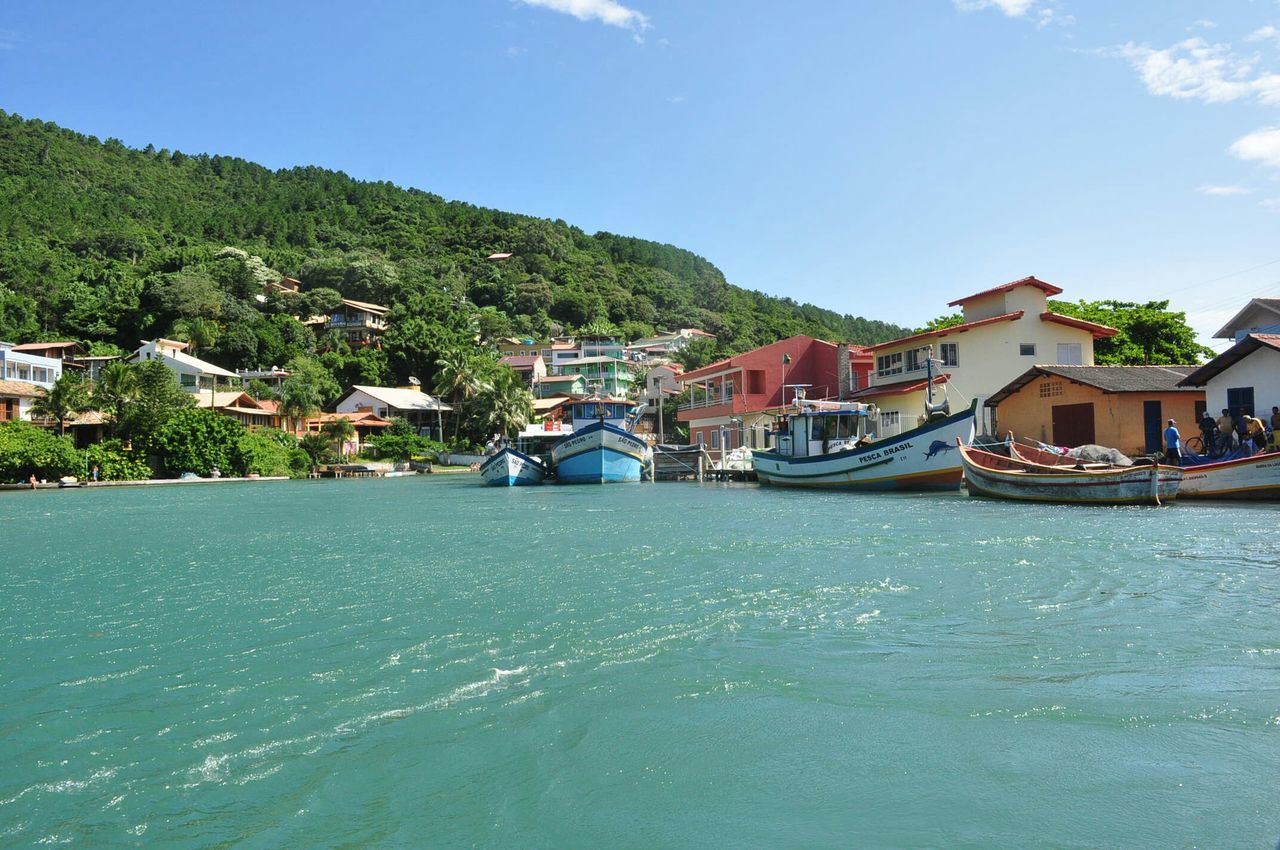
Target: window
889,364
1050,388
1027,349
700,438
187,380
727,391
1240,400
1070,354
950,353
889,421
715,439
913,360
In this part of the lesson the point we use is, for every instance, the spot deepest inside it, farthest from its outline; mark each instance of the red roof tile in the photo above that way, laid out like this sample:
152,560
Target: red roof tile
1098,331
1049,289
941,332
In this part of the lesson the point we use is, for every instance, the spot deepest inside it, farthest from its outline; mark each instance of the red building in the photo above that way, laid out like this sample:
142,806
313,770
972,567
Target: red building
740,397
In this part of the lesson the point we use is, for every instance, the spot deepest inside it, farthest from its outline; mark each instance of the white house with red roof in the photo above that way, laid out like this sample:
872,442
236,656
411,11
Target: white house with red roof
1005,330
1246,377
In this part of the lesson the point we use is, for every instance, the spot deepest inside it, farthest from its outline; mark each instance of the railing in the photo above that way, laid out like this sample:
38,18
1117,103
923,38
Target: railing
375,324
698,404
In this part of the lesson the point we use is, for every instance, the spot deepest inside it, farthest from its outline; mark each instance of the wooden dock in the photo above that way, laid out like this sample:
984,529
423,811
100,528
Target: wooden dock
680,463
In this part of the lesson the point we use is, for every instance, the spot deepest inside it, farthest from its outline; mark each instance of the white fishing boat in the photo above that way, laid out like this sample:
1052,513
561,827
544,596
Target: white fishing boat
1255,478
510,467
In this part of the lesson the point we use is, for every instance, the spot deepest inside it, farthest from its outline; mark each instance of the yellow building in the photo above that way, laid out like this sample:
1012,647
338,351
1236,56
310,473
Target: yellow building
1005,330
1124,407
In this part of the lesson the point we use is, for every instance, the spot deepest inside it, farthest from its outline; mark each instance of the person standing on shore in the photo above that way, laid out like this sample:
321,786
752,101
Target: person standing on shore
1173,444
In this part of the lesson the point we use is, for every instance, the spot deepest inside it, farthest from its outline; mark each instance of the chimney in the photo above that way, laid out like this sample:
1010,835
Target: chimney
843,368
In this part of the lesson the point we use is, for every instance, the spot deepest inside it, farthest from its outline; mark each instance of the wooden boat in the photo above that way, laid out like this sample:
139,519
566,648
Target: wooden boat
1256,478
601,449
512,468
1066,480
826,445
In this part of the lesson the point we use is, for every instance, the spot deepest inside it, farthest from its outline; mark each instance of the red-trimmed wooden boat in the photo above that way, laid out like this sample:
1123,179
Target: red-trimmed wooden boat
999,477
1256,477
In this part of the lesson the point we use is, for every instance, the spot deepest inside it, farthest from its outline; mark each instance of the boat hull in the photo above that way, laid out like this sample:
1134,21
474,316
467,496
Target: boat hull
997,477
511,468
599,453
1254,478
923,458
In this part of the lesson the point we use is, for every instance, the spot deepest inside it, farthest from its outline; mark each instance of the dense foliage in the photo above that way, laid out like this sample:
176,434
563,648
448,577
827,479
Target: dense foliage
26,450
109,245
115,462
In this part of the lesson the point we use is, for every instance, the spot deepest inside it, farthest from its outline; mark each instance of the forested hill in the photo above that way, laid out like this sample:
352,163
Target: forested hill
106,244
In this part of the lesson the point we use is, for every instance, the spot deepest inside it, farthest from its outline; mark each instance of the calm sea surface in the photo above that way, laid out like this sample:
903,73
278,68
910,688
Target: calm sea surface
425,662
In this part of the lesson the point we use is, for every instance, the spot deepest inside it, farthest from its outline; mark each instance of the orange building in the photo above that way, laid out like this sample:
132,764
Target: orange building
1123,407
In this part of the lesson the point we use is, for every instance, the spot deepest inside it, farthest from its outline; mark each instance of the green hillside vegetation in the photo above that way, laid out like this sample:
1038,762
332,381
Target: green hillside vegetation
109,245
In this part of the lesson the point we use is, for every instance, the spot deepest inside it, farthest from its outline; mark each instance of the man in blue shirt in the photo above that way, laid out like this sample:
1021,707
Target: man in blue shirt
1173,444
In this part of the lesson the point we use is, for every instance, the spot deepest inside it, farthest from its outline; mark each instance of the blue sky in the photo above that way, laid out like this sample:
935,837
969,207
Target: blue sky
878,157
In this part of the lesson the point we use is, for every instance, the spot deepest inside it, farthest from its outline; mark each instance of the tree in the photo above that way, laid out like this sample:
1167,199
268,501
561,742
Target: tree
339,431
117,388
950,320
197,440
158,398
306,390
115,462
698,353
265,451
69,396
26,450
507,406
460,378
316,446
1150,333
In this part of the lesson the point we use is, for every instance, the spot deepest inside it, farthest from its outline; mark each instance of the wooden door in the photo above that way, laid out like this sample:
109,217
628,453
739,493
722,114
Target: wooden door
1152,426
1073,424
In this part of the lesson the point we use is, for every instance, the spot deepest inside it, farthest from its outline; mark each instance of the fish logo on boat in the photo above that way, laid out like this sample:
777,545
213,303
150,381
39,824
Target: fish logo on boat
937,447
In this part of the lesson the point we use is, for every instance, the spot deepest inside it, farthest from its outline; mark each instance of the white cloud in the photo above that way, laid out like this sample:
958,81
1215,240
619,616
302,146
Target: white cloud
1196,69
676,99
1267,33
608,12
1202,24
1223,191
1261,146
1012,8
517,52
1270,203
9,39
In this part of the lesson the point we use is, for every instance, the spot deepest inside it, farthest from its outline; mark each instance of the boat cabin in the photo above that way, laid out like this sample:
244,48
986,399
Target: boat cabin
614,411
820,428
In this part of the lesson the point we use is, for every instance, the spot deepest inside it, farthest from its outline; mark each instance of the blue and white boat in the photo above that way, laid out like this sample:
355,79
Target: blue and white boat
512,468
602,449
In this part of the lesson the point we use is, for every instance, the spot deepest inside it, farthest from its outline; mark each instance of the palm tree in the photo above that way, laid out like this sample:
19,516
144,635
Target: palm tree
509,406
68,396
340,431
301,396
117,387
197,332
460,378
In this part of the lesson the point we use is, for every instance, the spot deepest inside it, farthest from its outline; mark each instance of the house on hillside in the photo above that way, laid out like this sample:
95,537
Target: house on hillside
530,367
1125,407
24,377
551,386
665,344
610,375
241,407
365,422
68,352
194,374
524,346
360,323
1005,330
424,412
1243,379
742,396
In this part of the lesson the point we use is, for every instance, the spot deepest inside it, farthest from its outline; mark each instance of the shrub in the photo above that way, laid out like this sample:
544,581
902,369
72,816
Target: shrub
196,440
115,463
264,452
26,450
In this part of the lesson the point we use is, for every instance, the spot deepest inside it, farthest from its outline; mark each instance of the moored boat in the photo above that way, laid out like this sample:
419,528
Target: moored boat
601,449
1066,480
830,445
1256,477
512,468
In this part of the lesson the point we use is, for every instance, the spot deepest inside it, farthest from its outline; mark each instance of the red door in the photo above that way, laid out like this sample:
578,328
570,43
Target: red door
1073,424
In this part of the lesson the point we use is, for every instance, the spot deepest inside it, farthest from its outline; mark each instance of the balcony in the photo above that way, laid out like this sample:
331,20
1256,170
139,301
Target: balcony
345,322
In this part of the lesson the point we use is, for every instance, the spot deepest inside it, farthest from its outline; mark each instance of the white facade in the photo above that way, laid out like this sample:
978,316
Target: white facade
1005,332
28,368
1257,376
193,374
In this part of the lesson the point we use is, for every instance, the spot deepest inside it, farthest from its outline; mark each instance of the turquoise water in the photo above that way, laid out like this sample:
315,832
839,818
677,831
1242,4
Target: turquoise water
424,662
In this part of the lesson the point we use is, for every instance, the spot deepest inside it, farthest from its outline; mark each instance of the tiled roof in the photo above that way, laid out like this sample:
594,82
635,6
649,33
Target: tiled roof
521,361
899,388
1109,379
941,332
20,388
1032,280
551,379
1098,331
1230,357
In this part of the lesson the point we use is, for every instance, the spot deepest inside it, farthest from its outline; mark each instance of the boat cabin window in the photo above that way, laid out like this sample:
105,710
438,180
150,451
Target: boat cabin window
818,428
